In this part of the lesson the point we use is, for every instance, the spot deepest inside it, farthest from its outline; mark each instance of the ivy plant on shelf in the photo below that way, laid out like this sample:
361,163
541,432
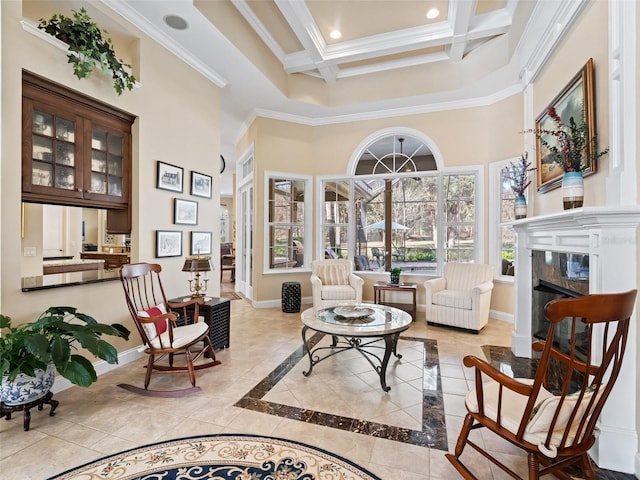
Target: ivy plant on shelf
88,47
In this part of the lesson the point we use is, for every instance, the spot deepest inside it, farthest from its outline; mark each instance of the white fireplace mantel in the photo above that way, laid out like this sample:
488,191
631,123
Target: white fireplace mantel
611,238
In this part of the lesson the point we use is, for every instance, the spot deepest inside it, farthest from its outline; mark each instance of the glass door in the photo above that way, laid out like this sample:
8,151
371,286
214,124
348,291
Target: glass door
245,219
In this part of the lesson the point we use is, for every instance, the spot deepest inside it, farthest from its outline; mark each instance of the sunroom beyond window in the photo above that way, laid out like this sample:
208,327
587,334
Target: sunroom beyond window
398,211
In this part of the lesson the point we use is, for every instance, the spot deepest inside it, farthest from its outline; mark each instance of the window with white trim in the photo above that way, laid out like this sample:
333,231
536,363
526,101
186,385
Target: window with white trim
432,219
288,207
502,235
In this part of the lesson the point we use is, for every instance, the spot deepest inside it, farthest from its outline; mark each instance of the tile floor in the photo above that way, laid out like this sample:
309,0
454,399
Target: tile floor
260,389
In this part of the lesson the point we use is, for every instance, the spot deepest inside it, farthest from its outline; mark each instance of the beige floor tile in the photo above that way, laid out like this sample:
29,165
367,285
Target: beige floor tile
105,419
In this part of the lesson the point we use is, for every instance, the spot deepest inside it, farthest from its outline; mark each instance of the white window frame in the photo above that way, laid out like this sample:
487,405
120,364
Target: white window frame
307,222
477,170
495,221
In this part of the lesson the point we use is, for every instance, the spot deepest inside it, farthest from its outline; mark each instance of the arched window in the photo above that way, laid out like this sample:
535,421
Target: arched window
397,209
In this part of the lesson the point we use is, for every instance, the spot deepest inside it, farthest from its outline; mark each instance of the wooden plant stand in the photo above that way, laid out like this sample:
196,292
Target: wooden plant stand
7,410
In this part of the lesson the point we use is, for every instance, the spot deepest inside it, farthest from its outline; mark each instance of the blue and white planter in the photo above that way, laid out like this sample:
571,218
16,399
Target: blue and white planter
520,207
25,389
572,190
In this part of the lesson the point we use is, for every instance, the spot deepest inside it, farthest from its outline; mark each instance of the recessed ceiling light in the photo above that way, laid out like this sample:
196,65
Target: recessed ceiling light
433,13
176,22
335,34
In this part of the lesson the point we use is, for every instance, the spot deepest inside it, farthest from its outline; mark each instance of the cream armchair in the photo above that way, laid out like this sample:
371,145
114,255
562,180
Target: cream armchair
462,297
334,283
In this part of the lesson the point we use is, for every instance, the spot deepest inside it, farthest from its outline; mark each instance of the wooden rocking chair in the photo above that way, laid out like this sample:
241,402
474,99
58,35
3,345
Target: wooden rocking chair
164,332
553,416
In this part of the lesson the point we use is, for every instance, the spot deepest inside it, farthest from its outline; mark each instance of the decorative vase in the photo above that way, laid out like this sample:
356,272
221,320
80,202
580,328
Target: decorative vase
25,389
572,190
395,278
520,207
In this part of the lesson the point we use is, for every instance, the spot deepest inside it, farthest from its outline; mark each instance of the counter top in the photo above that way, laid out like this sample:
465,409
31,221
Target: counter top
58,280
72,261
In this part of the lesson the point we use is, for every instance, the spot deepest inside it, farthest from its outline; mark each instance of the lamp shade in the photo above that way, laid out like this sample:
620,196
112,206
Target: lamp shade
197,264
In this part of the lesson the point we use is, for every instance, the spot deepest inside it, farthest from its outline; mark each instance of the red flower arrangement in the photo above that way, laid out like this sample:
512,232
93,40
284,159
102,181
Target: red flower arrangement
572,143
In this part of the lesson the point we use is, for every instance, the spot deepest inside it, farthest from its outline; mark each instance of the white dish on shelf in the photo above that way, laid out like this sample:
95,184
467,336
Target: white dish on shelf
353,312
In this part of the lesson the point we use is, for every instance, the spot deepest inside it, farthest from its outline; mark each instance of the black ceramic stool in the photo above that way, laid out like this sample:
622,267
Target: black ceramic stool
291,293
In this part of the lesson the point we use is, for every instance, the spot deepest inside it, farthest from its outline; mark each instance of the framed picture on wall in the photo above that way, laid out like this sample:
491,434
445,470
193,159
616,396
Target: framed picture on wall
185,212
576,100
200,184
168,243
170,177
200,243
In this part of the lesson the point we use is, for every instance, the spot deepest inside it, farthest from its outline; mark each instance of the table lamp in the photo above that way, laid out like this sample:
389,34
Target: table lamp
196,265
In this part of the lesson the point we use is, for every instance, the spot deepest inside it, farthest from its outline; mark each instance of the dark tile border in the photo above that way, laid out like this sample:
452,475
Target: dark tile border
433,433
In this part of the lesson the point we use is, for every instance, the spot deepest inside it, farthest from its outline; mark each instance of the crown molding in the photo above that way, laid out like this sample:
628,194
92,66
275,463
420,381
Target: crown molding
549,23
132,16
259,28
387,112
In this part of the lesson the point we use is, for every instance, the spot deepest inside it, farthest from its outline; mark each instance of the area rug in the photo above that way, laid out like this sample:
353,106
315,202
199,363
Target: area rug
230,295
223,456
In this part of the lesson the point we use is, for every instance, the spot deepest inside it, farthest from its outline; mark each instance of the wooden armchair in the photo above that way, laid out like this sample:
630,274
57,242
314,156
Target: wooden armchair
164,332
553,417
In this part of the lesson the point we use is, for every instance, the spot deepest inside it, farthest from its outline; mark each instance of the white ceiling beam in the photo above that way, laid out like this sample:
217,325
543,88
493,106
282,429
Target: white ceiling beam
306,30
374,46
245,10
460,16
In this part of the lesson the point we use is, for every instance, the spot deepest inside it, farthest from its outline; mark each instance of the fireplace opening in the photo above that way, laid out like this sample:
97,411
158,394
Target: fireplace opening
558,275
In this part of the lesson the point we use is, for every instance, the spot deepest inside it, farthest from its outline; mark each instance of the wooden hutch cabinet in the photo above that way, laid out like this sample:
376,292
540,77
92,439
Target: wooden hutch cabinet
75,150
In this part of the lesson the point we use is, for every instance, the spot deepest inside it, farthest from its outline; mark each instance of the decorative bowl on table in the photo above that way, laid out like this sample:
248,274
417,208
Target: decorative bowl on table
353,312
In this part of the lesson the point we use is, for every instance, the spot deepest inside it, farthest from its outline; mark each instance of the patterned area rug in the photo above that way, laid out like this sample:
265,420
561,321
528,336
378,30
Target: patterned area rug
230,295
228,456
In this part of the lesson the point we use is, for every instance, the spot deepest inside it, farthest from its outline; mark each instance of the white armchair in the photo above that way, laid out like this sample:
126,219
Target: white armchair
334,283
462,297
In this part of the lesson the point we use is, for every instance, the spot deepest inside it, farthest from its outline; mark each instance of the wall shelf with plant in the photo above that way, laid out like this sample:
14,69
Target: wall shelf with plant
87,47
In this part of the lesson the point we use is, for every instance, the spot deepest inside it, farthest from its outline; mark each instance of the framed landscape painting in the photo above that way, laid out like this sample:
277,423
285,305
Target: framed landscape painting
168,243
576,100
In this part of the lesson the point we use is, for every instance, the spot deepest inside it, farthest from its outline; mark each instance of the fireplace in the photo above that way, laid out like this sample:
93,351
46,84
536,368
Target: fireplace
556,275
577,252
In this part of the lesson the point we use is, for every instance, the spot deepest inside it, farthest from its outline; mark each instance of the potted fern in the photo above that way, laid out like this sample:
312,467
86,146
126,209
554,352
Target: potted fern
31,353
88,47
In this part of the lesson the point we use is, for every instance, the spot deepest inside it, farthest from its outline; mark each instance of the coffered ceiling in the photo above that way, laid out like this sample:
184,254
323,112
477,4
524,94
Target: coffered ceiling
276,58
374,35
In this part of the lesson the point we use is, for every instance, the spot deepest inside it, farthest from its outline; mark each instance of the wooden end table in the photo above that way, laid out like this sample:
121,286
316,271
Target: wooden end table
379,297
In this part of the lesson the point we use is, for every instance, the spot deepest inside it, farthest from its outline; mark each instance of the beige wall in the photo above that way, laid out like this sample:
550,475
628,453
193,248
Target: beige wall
175,123
587,39
479,136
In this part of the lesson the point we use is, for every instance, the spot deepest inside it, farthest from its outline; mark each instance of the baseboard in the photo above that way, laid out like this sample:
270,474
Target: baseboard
102,367
502,316
616,449
278,303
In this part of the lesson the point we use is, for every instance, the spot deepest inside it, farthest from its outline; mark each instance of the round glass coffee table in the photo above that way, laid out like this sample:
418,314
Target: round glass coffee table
359,326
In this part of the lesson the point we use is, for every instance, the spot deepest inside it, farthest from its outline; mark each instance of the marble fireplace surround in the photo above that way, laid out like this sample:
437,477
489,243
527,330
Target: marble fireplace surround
611,238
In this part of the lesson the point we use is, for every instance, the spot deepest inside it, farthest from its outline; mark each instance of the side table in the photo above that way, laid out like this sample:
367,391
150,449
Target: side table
217,313
379,297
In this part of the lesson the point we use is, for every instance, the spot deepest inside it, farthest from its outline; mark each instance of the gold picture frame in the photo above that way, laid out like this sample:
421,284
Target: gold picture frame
577,96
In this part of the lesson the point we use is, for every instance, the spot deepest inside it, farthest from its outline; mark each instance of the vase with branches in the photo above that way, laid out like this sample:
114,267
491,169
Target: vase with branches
574,148
517,174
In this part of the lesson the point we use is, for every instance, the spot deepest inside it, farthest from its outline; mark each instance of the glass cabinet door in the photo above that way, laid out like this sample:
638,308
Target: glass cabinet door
53,151
106,163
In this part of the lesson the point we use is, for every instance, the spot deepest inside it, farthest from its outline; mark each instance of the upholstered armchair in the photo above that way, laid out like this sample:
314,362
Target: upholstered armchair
334,283
462,297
